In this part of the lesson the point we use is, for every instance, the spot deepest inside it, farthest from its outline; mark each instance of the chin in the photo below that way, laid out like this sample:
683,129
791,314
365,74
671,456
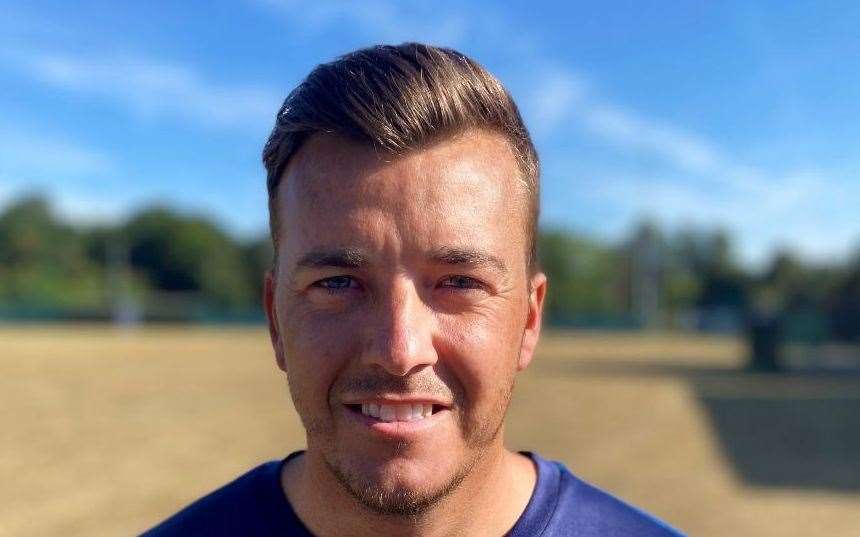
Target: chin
400,486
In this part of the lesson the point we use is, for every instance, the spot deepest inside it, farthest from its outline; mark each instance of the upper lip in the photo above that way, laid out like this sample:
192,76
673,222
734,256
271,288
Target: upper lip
393,399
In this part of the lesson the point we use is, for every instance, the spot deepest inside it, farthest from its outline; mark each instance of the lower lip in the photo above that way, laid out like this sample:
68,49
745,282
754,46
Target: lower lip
399,430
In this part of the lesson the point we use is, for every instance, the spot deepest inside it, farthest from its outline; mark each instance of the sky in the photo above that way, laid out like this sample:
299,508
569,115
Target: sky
740,115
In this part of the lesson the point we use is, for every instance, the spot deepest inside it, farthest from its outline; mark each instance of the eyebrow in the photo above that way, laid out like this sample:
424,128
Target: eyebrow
468,256
354,258
340,257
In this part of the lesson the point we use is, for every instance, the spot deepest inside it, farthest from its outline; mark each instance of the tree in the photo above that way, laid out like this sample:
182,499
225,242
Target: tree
583,277
705,263
257,255
186,253
844,304
43,262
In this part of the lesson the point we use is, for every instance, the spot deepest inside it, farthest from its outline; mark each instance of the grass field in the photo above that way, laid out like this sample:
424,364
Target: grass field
105,431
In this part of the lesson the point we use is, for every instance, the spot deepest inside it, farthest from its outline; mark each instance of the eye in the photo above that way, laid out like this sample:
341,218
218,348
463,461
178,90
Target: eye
336,284
461,282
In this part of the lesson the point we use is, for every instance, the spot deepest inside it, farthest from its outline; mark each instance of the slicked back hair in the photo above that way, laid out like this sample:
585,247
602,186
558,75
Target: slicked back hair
398,99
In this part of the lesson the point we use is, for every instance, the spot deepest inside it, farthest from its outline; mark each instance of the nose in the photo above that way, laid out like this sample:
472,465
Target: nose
401,331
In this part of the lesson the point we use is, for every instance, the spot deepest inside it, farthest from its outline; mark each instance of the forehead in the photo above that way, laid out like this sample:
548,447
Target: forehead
465,189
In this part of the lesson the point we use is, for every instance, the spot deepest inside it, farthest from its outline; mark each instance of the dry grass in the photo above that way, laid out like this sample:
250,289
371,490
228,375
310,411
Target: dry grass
107,431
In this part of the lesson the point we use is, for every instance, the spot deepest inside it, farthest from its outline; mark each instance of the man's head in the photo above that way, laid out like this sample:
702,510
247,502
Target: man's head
397,99
405,297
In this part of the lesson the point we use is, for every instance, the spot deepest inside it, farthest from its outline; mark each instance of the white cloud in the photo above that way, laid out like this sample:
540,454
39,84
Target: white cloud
7,194
697,180
558,92
77,207
152,89
809,211
682,149
35,163
700,182
563,97
30,157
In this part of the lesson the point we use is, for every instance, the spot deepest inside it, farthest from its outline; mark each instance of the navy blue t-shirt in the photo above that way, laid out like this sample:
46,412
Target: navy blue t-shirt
561,505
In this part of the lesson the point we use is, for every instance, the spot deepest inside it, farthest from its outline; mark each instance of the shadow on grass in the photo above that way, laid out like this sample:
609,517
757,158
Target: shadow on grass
792,430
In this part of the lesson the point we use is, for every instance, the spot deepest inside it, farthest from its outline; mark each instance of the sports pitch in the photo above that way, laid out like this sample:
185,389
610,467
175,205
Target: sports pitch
107,431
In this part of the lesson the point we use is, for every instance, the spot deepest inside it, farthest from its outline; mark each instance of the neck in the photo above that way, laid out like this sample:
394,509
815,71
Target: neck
488,501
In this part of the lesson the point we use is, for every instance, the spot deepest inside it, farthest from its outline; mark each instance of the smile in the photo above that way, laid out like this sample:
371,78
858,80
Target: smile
398,411
396,419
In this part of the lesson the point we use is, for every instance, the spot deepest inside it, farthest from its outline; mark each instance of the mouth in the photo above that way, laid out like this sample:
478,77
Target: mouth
396,412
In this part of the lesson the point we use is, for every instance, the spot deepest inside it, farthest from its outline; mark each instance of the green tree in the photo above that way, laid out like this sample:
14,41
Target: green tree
257,255
186,253
843,304
705,271
43,262
583,277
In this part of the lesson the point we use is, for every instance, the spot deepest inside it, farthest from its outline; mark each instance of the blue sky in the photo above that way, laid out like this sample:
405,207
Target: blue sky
738,114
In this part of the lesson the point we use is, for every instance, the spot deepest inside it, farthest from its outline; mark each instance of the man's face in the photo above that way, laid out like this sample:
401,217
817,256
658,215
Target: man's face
402,308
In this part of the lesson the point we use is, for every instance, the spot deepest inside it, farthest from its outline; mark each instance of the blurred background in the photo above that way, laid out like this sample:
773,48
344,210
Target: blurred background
700,231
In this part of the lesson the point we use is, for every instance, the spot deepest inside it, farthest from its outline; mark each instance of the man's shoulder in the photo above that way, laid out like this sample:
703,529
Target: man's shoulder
252,504
583,510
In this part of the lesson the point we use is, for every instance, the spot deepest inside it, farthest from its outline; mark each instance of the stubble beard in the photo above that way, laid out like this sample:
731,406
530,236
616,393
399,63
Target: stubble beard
400,502
403,502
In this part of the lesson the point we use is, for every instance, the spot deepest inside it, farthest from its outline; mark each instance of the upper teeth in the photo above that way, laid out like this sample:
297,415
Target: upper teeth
398,412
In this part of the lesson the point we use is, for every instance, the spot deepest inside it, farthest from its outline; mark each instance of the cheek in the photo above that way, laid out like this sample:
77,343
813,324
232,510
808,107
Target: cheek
481,354
317,347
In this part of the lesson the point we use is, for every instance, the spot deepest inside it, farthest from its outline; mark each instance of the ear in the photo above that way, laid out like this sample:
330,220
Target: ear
531,333
269,289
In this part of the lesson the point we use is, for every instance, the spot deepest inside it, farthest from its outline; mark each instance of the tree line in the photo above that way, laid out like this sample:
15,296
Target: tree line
162,264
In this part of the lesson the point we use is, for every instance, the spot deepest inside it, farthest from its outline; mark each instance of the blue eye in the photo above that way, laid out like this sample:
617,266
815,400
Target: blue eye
461,282
336,283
